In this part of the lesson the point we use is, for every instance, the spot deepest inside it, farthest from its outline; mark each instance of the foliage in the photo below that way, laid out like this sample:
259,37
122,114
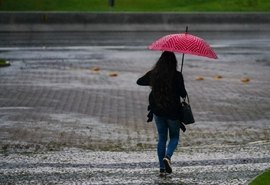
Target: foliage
4,63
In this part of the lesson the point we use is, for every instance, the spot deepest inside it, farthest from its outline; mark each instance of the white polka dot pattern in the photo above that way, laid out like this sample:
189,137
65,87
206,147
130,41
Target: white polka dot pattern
183,43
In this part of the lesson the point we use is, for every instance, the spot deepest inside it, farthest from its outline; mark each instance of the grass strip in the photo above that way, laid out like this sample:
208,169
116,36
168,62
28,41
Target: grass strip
137,5
4,63
263,179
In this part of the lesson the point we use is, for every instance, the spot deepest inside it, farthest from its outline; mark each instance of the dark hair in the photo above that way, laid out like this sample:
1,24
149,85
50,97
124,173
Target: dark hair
162,77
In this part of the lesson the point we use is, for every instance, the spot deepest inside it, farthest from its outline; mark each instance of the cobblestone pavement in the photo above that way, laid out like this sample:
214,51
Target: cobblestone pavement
212,165
78,90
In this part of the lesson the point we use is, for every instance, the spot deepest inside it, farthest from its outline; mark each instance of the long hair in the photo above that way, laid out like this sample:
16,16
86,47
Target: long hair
162,77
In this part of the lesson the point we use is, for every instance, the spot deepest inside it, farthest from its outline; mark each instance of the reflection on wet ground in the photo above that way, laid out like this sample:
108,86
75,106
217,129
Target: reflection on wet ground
52,96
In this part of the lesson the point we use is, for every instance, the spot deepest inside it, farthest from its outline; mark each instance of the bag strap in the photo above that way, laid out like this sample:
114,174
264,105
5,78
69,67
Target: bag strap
184,99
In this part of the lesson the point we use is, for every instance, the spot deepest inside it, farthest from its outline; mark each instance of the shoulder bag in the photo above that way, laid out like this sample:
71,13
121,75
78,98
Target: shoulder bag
187,115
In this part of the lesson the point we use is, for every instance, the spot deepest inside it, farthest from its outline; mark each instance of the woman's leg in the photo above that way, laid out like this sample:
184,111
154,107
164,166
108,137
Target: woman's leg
162,128
174,131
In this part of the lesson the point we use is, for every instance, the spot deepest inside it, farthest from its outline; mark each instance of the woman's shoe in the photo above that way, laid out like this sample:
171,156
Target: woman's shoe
167,163
162,173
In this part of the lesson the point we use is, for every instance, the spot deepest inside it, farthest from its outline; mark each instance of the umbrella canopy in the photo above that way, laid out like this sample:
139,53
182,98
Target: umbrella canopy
184,43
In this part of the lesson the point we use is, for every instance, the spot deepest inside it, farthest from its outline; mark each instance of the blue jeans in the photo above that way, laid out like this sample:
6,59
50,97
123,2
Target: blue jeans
165,126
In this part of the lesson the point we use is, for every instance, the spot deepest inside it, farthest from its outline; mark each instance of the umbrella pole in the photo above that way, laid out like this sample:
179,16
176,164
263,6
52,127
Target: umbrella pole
186,29
183,56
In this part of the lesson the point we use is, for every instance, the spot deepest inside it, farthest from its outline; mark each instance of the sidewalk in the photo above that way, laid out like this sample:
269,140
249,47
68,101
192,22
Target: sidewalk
201,166
60,107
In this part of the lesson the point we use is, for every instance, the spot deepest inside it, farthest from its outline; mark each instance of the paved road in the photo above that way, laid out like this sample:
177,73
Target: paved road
78,90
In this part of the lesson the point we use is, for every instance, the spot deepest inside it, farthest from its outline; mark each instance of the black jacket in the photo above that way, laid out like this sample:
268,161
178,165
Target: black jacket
173,112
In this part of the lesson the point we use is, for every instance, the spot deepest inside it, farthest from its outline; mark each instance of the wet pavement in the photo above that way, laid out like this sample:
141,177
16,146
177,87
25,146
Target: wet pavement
68,96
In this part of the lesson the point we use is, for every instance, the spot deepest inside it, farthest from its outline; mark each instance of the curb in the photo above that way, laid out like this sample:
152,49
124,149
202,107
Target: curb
70,21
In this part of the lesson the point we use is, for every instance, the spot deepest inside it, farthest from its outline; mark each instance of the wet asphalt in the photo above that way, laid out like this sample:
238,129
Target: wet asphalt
78,90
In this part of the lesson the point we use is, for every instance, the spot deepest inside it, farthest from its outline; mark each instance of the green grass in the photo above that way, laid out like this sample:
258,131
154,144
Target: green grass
4,63
137,5
263,179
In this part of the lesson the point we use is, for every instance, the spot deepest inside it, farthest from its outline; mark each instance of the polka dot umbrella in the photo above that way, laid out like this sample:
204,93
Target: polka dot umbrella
184,43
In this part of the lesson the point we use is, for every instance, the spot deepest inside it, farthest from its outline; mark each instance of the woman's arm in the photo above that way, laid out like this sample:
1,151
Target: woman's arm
144,80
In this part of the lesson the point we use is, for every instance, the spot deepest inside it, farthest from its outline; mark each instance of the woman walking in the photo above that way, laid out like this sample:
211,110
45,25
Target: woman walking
167,86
